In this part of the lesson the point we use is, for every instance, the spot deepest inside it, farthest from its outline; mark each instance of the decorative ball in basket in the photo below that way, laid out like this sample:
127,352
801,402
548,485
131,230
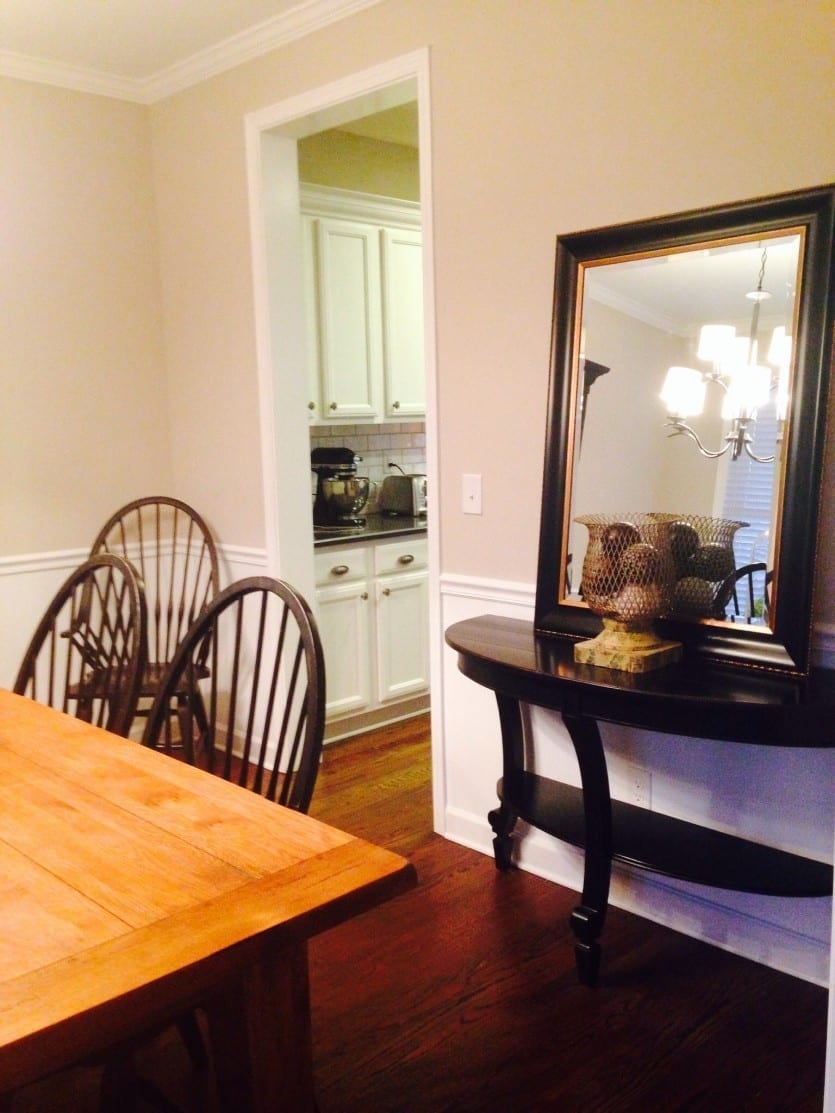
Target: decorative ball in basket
629,577
703,554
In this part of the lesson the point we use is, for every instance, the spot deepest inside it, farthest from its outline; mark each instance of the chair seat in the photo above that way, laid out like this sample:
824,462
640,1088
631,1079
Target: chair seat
155,671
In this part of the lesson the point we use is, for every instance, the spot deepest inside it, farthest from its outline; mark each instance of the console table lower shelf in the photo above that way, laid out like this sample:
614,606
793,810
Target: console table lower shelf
659,843
522,668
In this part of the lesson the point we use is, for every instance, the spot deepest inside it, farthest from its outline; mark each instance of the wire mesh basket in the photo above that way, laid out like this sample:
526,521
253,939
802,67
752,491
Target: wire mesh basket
629,572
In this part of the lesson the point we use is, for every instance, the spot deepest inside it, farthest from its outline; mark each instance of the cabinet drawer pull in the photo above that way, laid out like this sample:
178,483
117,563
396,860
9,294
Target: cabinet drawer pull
333,405
340,569
386,591
407,558
364,596
311,405
395,405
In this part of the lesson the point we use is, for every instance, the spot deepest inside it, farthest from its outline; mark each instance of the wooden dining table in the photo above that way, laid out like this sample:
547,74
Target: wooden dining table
135,887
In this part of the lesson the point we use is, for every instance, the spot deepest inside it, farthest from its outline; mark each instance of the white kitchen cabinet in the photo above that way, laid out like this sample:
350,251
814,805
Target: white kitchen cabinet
404,372
364,307
344,612
349,316
345,629
402,635
372,602
314,404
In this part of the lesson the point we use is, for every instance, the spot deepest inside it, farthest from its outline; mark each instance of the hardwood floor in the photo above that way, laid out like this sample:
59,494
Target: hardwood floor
461,996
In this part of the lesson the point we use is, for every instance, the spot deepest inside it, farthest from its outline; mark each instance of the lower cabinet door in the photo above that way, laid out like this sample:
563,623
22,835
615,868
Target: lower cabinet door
402,635
345,629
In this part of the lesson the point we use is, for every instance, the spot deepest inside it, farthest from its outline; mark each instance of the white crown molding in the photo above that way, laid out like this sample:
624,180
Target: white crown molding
80,80
328,201
636,309
305,18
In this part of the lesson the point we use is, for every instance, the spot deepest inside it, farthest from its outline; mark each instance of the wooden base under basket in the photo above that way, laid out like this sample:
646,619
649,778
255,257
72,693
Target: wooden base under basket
628,647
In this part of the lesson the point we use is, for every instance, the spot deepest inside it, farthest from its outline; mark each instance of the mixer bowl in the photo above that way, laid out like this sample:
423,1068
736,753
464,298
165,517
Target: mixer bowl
345,496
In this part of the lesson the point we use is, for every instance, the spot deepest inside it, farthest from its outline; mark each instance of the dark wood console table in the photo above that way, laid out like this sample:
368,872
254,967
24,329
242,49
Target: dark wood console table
693,699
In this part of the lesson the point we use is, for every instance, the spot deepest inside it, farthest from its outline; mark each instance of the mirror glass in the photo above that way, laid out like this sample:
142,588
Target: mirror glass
689,377
638,318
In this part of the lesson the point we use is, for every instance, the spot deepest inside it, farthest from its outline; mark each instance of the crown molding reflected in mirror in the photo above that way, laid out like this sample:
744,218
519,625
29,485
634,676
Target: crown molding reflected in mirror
649,413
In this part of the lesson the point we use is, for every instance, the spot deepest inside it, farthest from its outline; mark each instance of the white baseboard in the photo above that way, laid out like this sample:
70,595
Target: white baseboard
690,912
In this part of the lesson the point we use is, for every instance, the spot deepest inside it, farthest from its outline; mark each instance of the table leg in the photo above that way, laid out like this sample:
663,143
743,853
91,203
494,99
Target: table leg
261,1038
503,819
588,918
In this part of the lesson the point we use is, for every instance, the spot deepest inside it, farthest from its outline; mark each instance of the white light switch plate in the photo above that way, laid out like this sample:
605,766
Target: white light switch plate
471,494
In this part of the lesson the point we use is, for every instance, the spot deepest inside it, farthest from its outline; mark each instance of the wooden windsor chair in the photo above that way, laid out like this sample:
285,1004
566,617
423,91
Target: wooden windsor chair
264,696
175,555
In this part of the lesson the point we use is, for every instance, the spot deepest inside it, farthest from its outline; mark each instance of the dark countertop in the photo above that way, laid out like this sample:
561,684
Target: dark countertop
377,527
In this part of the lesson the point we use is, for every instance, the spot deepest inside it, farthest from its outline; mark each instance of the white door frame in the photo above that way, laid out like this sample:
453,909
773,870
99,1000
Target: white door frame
275,232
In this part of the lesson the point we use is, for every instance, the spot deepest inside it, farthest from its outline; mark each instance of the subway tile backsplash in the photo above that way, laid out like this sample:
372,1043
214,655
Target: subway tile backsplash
402,443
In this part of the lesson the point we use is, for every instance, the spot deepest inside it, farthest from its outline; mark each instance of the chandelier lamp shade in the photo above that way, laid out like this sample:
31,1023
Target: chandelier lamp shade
746,383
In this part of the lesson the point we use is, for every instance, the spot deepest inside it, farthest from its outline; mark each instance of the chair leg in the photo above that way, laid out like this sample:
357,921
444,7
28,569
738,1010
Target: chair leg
118,1089
121,1086
192,1037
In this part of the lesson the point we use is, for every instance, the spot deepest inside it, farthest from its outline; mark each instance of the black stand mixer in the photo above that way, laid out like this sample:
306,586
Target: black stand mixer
341,494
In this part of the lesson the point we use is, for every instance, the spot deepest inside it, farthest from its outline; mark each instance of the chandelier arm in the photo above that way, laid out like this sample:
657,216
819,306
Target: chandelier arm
680,427
758,459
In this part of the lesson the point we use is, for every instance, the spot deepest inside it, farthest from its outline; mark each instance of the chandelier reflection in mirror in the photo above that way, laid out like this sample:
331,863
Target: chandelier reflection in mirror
733,366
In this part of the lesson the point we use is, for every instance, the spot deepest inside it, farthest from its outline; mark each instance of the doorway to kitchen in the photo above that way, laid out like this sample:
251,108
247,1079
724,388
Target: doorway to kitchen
282,319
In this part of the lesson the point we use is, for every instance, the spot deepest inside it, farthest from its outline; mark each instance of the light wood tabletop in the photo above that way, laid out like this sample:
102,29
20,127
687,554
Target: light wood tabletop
135,886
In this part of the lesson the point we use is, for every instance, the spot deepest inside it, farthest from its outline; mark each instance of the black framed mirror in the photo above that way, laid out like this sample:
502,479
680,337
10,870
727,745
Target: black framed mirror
645,416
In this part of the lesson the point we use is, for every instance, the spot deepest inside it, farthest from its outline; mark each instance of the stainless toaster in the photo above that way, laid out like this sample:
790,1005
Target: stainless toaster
403,495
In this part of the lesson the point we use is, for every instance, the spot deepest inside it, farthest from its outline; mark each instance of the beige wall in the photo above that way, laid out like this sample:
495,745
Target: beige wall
547,117
84,412
337,158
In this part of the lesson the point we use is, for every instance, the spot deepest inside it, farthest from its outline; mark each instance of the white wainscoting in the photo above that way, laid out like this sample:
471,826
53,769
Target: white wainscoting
782,797
29,581
27,584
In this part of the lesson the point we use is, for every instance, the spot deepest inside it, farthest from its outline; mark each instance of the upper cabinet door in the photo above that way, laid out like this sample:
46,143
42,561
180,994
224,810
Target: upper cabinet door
314,390
402,287
350,326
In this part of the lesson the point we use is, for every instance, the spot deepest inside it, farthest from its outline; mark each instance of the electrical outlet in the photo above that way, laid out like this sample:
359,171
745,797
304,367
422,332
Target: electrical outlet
638,786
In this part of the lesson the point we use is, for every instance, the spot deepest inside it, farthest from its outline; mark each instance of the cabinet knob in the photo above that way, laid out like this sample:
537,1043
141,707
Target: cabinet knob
407,558
340,569
311,405
395,405
364,596
333,405
386,591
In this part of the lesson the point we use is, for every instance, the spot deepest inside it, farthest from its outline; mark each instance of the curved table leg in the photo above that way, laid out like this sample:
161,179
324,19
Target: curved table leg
503,818
588,918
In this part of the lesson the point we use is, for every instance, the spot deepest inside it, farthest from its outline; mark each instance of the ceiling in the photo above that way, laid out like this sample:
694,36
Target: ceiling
681,291
141,49
392,125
